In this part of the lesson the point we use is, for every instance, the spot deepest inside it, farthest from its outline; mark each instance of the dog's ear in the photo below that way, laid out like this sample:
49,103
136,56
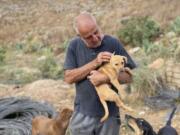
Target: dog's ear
113,53
125,59
66,112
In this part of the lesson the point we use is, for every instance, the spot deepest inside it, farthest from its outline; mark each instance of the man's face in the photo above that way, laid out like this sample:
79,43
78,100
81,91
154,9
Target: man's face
92,36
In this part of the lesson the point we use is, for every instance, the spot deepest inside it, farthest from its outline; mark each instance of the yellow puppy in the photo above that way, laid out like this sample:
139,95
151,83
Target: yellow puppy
104,92
42,125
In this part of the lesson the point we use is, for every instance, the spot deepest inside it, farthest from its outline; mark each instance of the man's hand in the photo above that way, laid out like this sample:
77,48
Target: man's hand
97,78
103,57
125,76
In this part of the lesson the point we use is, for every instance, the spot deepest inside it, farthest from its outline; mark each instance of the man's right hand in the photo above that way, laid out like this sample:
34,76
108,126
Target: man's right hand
103,57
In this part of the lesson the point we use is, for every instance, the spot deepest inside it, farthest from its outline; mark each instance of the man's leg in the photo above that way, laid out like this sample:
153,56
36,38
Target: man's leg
110,127
81,124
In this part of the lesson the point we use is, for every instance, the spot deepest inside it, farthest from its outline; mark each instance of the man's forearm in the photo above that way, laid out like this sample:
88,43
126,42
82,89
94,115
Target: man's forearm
77,74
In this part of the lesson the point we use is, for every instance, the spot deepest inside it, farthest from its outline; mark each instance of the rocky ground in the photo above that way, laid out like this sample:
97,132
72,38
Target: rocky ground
60,94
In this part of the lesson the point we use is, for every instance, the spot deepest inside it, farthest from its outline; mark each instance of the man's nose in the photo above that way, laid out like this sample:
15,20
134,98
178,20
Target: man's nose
95,37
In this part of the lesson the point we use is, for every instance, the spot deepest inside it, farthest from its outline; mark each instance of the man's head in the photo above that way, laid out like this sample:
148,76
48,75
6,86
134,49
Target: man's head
86,27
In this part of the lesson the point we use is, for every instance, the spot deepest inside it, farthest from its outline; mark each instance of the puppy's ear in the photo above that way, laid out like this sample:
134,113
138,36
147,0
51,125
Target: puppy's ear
125,59
66,112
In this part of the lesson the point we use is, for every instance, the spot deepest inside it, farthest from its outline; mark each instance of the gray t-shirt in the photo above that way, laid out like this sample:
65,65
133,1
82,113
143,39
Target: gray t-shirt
87,100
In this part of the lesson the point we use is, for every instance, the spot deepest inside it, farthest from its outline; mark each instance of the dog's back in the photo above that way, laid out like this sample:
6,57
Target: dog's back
42,125
168,129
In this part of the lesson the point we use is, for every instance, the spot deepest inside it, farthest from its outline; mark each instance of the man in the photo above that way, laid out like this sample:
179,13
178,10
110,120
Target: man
85,54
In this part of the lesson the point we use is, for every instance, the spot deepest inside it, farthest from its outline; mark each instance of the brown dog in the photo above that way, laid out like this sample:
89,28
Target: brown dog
104,92
42,125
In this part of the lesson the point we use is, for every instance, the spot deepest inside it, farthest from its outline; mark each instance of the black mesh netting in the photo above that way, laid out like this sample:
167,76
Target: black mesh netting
16,114
164,99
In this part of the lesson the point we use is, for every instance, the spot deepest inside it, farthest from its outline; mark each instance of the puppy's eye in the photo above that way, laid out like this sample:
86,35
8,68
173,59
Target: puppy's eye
122,63
116,64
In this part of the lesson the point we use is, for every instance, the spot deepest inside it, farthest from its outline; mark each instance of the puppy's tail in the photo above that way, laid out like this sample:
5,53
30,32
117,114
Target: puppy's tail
168,123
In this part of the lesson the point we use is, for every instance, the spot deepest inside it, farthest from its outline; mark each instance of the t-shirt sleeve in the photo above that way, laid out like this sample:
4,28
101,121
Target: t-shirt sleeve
121,51
70,58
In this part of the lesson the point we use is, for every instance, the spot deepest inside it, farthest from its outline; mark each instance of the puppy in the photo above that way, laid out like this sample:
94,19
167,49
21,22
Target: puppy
104,92
142,127
42,125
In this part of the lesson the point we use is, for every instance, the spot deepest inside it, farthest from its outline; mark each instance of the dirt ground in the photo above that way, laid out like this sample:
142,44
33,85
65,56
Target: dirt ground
61,94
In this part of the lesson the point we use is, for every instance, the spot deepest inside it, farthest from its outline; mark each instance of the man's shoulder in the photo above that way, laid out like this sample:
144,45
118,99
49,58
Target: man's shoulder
110,37
75,40
112,40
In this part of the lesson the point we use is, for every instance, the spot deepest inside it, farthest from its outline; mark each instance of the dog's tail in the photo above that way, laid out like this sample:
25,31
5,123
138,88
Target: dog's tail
168,123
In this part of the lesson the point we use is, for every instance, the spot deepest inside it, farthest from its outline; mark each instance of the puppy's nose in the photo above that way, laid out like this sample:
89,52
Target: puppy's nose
121,70
127,116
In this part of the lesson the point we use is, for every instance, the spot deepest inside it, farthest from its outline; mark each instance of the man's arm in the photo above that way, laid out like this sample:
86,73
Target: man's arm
77,74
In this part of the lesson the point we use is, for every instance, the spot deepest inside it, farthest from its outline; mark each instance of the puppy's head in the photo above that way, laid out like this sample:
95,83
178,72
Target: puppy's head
139,125
118,62
66,113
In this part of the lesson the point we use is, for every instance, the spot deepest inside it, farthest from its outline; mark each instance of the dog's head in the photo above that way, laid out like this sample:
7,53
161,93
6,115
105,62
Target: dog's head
167,130
139,125
118,62
66,113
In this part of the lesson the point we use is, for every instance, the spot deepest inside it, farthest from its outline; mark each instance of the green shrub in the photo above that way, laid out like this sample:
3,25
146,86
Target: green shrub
138,30
177,54
155,51
175,25
65,45
144,82
2,55
14,75
49,68
31,44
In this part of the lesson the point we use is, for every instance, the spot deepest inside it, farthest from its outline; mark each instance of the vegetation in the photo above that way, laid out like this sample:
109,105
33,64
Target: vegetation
2,55
138,30
175,25
143,32
32,58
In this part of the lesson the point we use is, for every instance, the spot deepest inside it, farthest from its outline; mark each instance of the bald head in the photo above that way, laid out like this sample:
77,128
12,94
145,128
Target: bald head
84,22
87,28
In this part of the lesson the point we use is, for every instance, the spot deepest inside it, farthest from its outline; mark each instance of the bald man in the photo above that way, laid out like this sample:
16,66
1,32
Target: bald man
85,53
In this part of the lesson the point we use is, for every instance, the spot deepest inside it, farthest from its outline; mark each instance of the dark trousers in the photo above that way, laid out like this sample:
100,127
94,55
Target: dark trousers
81,124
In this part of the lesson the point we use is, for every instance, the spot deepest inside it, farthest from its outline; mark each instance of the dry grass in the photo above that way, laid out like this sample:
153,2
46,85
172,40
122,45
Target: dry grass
52,20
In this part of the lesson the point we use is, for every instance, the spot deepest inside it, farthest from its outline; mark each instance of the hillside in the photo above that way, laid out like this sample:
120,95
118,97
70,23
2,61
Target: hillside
51,20
34,36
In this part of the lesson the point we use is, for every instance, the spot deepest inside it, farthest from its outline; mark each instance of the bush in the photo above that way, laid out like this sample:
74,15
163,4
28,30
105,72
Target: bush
14,75
175,25
138,30
50,69
144,82
160,50
2,55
